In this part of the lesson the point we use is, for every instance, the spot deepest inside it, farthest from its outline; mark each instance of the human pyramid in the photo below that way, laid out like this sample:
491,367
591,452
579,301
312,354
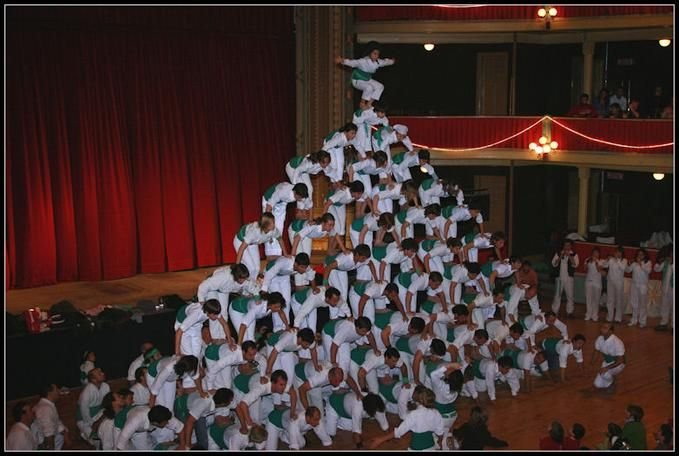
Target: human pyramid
384,349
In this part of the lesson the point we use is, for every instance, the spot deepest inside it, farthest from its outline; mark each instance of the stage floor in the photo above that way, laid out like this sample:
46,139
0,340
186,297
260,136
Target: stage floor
522,421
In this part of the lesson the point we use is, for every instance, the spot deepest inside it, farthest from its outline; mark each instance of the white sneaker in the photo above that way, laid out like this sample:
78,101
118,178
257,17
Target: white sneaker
642,326
631,323
595,320
586,318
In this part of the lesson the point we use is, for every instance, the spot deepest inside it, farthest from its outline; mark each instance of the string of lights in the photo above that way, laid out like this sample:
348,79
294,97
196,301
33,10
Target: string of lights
565,127
626,146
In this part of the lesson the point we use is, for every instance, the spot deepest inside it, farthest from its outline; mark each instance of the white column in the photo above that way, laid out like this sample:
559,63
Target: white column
583,200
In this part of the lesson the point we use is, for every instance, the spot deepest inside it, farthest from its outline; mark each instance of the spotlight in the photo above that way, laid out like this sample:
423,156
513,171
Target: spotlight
542,12
542,140
664,42
658,176
429,47
552,12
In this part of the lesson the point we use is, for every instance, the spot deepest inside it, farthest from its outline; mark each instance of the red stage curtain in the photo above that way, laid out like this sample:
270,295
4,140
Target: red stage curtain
494,12
620,131
461,132
135,149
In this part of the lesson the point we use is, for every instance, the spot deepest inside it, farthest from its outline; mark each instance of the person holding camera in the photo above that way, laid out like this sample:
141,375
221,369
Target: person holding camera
567,261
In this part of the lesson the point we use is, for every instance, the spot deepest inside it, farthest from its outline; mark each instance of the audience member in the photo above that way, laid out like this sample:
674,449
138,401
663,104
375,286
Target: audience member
614,111
21,436
657,103
668,112
633,111
574,440
663,437
583,109
474,434
555,439
619,98
47,418
634,430
613,434
601,103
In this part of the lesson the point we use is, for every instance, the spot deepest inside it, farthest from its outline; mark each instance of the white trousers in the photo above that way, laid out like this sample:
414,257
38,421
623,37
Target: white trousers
281,284
372,90
516,295
666,306
368,308
615,300
191,342
273,247
343,353
304,245
299,179
370,378
309,321
340,214
563,284
339,280
250,257
336,164
592,298
607,379
354,236
638,298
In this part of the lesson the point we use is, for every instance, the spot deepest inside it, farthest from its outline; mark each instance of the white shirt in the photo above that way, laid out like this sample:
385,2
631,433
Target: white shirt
47,418
502,269
138,421
565,348
287,342
397,256
107,434
314,231
317,379
20,437
612,346
142,395
421,420
296,429
345,332
283,194
668,278
354,407
440,387
345,262
256,310
539,325
337,141
254,235
622,101
227,357
260,390
166,373
284,266
373,361
134,365
462,214
367,64
640,272
305,167
194,319
222,281
562,263
316,301
91,396
616,269
593,274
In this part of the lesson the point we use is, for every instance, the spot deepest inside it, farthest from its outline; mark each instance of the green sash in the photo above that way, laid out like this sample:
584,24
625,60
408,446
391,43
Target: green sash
330,193
93,412
121,417
427,183
240,304
468,298
181,313
487,269
550,345
514,354
431,366
405,279
380,252
275,337
301,295
358,354
382,319
421,440
331,326
181,407
330,135
428,244
297,225
523,323
403,345
387,391
212,352
300,371
609,358
398,158
329,259
296,161
447,211
357,224
270,264
377,136
361,75
448,272
469,237
152,368
401,217
337,403
276,417
217,434
476,368
446,409
359,287
428,307
241,233
242,382
450,335
269,192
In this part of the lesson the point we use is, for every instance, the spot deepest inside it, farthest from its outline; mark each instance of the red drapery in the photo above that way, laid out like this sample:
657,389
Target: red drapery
494,12
619,131
137,149
461,132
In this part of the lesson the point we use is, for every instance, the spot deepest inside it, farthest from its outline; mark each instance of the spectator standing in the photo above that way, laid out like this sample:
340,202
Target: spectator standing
583,109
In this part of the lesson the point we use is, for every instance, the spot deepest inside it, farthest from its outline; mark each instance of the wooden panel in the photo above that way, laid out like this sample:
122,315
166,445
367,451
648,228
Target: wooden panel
492,78
497,190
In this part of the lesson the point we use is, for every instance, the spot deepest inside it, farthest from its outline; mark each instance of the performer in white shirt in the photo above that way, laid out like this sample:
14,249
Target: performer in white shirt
247,239
336,268
140,389
638,294
364,118
615,285
189,323
364,69
334,144
305,303
455,214
138,362
276,199
89,402
346,410
22,435
594,266
279,271
291,431
567,261
301,167
613,351
220,360
135,434
666,266
245,311
302,232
